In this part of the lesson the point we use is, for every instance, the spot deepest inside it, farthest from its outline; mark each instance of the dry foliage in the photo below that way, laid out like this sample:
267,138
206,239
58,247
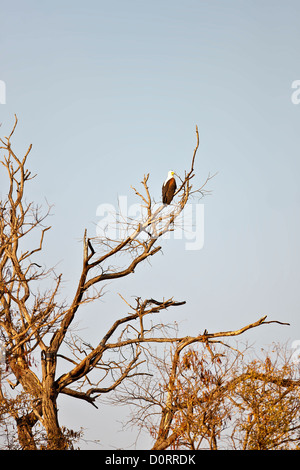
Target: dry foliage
212,397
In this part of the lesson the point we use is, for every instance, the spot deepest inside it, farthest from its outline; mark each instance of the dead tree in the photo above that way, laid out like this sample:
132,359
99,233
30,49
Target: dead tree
36,325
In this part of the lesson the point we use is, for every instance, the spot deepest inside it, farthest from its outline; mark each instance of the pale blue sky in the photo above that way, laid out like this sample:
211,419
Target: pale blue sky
108,91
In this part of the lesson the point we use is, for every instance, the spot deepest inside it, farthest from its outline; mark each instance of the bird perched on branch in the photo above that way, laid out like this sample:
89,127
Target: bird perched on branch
169,188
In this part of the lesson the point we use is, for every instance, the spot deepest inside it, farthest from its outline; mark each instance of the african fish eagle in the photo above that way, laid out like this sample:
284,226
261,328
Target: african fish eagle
169,188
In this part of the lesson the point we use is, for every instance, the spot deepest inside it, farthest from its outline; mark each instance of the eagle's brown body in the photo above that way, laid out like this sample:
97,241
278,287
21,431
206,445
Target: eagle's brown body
169,188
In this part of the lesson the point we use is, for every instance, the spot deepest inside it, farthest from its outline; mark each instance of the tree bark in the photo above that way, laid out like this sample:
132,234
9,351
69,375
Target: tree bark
24,427
55,437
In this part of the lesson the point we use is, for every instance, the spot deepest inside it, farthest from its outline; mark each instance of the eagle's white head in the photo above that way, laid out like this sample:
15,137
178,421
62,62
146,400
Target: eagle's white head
170,175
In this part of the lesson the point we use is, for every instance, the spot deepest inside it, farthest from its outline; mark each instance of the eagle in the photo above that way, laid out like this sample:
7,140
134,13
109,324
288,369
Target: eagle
169,188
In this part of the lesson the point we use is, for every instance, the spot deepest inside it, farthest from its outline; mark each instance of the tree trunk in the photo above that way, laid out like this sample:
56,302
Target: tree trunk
56,439
24,427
